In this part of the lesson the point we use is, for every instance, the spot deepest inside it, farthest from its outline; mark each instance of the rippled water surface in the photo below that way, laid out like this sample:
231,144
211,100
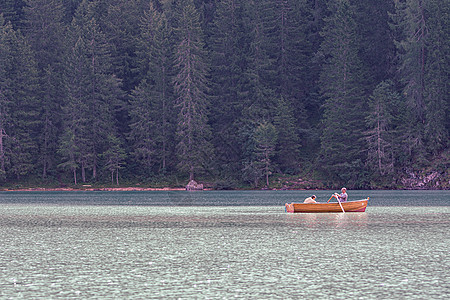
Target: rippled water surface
222,245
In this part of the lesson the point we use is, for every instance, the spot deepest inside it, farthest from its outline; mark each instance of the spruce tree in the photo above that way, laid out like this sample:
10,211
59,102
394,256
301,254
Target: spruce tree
114,157
343,120
288,143
46,33
436,93
151,105
265,138
381,124
409,23
119,21
228,43
191,70
93,91
4,103
12,11
18,93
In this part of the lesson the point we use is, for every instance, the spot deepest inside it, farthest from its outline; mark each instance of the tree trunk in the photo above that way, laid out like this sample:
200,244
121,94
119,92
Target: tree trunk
2,152
83,172
267,169
75,175
94,168
380,168
191,173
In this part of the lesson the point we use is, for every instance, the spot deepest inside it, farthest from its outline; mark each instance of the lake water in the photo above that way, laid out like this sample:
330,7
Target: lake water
222,245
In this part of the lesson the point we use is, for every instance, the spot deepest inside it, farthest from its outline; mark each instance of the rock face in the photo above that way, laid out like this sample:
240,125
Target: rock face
194,186
429,180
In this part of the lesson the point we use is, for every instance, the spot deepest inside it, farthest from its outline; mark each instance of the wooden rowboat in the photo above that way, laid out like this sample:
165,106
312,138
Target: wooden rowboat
350,206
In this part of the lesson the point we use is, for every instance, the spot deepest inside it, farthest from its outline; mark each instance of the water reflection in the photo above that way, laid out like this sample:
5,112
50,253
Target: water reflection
336,220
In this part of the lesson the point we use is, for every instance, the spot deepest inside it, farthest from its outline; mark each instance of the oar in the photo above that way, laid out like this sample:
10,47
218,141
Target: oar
330,198
340,205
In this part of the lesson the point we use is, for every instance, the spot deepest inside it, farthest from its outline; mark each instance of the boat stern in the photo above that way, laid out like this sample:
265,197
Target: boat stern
289,207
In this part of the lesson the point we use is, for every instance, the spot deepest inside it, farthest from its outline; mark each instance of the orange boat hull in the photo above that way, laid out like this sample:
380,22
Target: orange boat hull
350,206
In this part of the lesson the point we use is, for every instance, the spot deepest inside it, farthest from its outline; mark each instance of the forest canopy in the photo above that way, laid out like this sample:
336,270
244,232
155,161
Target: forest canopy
236,92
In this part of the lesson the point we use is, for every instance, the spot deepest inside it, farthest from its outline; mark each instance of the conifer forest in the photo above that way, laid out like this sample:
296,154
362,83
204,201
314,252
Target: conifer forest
236,93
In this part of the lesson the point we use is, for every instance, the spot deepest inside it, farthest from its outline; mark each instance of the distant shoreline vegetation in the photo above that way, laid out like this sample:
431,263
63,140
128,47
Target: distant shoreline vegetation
279,95
430,182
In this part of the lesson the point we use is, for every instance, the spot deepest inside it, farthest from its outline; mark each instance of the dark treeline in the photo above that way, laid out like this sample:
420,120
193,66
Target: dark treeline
352,92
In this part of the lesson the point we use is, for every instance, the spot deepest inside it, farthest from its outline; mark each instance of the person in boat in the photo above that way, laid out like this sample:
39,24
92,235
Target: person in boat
343,196
311,199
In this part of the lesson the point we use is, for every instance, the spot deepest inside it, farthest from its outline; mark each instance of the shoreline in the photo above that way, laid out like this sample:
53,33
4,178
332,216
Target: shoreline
147,189
89,189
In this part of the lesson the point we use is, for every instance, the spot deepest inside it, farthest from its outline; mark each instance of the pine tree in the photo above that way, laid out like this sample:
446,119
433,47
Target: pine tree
119,22
437,124
343,120
4,103
74,143
12,11
193,133
409,22
288,144
114,157
93,91
381,124
151,107
265,137
18,89
45,31
261,98
377,48
229,42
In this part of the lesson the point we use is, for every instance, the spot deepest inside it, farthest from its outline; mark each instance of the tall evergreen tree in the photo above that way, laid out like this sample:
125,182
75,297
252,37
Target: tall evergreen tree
12,11
286,25
343,121
409,22
4,103
151,107
120,24
19,94
93,90
45,31
288,143
381,124
377,48
436,93
261,98
114,157
229,43
193,133
265,136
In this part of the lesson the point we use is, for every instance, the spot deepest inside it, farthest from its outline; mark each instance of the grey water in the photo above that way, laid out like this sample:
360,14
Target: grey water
222,245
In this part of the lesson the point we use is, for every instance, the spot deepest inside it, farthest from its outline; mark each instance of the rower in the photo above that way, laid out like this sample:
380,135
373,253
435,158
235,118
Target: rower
311,199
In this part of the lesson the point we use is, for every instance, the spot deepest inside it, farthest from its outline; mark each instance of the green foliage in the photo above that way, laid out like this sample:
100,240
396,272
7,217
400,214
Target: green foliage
381,124
352,92
114,157
45,31
265,136
288,144
436,93
20,121
193,133
343,119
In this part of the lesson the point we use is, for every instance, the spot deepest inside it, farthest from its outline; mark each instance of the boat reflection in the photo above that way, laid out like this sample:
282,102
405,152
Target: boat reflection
336,220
